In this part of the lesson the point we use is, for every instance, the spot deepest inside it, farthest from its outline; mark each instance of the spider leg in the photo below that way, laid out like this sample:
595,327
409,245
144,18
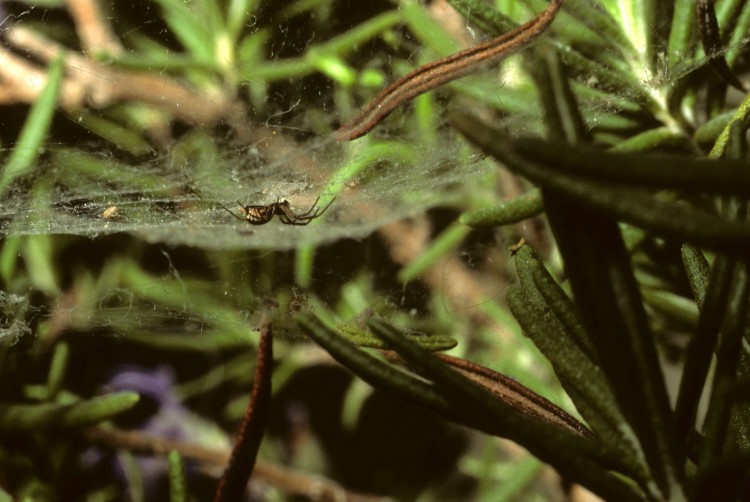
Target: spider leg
300,222
320,213
309,211
288,218
283,218
315,211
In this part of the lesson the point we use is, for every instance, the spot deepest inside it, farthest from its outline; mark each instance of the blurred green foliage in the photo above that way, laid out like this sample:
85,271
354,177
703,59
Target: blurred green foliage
131,300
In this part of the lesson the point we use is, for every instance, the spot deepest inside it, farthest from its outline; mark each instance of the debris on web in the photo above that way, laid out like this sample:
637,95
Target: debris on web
13,324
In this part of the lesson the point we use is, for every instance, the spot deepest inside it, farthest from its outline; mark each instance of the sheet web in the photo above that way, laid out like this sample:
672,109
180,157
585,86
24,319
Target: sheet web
180,198
176,200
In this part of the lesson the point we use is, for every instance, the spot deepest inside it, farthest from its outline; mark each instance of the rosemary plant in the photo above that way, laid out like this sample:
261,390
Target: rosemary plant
569,221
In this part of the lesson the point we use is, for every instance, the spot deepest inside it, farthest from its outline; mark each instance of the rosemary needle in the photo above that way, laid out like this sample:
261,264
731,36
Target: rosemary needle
444,70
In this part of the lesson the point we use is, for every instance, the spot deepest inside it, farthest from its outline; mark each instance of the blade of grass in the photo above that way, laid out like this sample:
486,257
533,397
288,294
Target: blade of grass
299,67
238,14
197,33
30,141
490,20
449,239
736,42
57,370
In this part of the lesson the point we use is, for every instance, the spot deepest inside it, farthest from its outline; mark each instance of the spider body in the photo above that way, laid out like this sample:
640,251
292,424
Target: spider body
262,214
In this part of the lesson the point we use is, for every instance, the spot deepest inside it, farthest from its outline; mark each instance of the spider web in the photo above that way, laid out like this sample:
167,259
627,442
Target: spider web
184,203
178,197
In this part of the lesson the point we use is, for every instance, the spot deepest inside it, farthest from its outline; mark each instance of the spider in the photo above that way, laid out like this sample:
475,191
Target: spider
262,214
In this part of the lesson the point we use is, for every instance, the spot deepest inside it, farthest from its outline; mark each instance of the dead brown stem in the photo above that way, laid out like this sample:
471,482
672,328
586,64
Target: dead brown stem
92,84
288,480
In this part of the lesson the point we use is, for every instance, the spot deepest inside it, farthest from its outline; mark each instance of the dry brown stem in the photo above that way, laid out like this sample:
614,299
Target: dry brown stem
288,480
89,83
94,33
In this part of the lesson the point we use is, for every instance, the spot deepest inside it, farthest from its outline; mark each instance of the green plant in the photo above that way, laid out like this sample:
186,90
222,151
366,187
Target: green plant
616,125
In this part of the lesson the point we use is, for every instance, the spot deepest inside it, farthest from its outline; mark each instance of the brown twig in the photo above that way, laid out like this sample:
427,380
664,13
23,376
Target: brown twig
442,71
288,480
92,84
241,462
94,33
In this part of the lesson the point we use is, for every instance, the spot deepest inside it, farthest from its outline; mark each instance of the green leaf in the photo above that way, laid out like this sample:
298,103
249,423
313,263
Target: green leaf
726,176
584,382
598,267
449,239
57,369
364,338
697,269
681,36
567,452
177,482
29,145
34,417
372,370
562,116
727,362
521,208
537,281
665,217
